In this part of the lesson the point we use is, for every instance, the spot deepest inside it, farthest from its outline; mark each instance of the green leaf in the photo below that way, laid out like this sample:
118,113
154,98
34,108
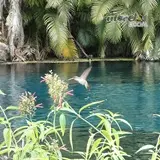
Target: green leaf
113,31
89,105
124,121
86,37
94,146
107,135
116,136
30,134
15,117
68,110
148,5
51,130
70,134
20,129
62,121
80,153
11,108
2,93
41,137
89,143
7,137
107,125
4,151
53,3
127,3
146,147
65,9
57,30
100,8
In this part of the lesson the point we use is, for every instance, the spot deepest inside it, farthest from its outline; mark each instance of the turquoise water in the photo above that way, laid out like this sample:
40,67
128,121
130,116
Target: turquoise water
129,88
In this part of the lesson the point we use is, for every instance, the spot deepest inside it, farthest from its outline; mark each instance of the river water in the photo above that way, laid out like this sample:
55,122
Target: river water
129,88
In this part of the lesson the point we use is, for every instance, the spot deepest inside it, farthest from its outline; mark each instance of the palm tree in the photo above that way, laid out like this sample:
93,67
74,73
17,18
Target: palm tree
53,18
140,38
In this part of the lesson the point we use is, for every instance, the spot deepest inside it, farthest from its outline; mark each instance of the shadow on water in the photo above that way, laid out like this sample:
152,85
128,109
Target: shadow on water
129,88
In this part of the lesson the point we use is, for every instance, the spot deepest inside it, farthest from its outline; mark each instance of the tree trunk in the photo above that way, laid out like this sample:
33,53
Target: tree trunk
15,27
1,9
2,2
102,51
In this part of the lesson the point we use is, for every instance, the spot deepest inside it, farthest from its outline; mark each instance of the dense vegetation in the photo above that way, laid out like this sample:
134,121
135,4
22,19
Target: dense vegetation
34,29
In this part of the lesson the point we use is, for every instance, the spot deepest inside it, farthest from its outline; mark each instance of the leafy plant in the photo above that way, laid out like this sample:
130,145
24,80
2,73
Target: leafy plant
44,139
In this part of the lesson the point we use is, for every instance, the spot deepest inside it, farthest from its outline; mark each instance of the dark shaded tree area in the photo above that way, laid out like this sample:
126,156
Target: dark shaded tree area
69,29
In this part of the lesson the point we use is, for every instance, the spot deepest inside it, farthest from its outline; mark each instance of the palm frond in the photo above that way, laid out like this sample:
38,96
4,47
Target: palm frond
148,5
101,31
113,31
57,31
70,50
65,9
84,15
53,3
27,17
127,3
82,3
38,16
100,8
148,45
135,39
156,14
86,38
37,3
88,2
150,29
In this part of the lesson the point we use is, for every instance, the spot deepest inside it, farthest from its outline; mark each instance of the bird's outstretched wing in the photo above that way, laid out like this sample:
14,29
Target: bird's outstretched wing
86,73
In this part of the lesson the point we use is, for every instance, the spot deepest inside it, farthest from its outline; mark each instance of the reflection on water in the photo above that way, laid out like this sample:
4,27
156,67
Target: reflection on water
130,88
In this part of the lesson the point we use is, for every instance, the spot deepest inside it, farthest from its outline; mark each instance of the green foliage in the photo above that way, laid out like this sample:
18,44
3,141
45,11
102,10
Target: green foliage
70,50
53,4
113,32
86,21
57,31
44,139
148,5
100,8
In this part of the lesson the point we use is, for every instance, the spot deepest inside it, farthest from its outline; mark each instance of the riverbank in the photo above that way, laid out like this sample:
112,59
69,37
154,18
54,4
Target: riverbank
71,61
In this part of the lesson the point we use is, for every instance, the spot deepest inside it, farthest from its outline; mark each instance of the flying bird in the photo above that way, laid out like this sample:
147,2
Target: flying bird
82,79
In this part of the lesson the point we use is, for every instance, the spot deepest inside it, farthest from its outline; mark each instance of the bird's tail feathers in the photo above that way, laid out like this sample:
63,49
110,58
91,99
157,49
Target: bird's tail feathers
87,86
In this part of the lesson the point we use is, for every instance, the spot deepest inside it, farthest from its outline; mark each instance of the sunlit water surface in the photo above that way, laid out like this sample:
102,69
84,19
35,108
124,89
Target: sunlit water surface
129,88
